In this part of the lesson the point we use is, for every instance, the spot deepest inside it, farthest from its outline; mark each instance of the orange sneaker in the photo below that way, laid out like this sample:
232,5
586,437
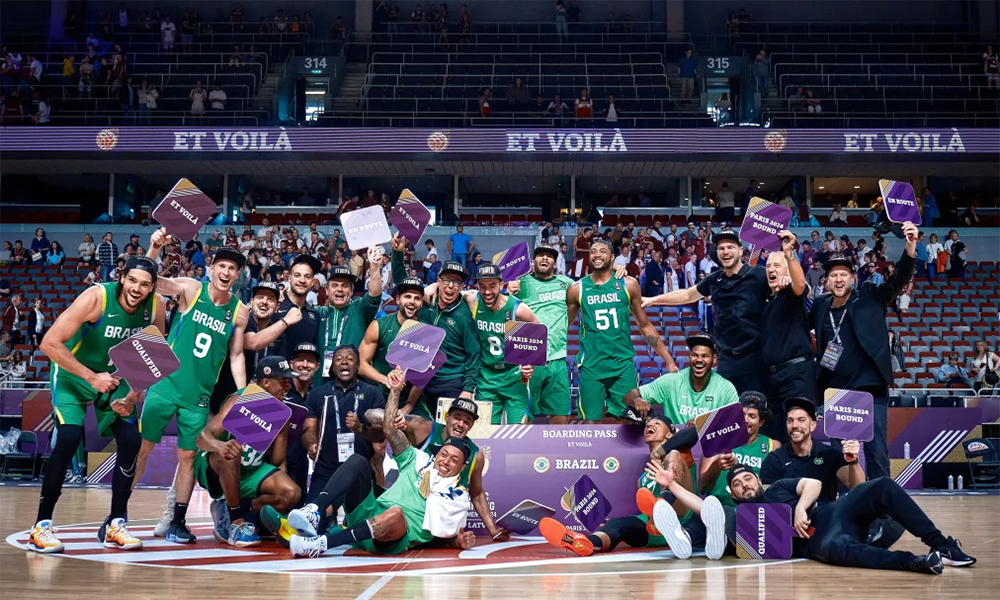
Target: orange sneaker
119,537
645,500
42,539
559,536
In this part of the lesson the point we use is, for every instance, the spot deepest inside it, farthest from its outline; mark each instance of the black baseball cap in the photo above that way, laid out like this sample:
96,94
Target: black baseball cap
231,255
461,443
341,272
738,469
465,405
804,403
664,419
838,261
757,400
308,348
546,249
410,284
726,235
270,286
454,268
701,339
488,271
273,366
308,259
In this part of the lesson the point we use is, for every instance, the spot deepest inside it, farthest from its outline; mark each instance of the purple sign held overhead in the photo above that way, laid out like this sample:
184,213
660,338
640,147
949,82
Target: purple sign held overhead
722,430
365,227
184,210
415,346
900,201
296,422
257,418
144,359
524,518
764,531
849,415
420,379
513,262
762,223
525,343
587,503
410,217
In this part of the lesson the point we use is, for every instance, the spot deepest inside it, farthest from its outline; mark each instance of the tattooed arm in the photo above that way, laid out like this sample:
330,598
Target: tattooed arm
395,437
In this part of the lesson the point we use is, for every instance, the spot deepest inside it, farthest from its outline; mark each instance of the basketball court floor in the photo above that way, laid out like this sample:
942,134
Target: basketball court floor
524,568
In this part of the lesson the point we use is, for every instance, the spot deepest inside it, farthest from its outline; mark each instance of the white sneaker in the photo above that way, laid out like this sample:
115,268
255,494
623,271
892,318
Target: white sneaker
670,527
307,547
168,513
714,518
305,520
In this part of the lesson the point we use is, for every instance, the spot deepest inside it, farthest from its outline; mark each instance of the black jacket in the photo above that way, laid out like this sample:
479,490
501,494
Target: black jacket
32,322
867,309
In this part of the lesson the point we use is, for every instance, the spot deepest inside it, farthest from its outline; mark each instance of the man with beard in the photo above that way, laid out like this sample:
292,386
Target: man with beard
78,344
445,309
581,250
301,273
639,531
209,325
853,338
305,362
345,319
786,347
545,294
738,294
606,360
238,478
382,331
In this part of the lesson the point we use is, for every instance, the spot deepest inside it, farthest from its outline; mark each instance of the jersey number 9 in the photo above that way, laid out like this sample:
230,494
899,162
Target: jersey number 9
202,343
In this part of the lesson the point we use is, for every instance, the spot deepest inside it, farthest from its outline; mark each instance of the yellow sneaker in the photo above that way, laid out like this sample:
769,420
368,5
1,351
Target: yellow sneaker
118,536
42,538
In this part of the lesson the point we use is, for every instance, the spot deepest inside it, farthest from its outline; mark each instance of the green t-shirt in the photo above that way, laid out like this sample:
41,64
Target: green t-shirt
436,440
547,299
405,493
680,402
751,455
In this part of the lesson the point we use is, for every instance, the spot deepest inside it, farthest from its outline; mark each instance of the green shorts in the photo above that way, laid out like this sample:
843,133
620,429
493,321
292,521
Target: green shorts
156,414
71,395
251,478
549,387
505,390
369,509
605,386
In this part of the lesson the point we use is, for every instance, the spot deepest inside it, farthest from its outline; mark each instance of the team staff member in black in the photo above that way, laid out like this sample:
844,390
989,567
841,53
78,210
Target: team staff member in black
300,278
853,340
786,348
802,457
335,427
305,362
738,293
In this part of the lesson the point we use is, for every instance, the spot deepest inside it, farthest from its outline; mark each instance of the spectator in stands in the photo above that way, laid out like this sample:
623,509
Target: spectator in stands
921,269
237,17
813,274
35,66
36,325
484,103
853,202
813,104
969,218
10,320
460,245
957,255
280,22
147,102
417,18
39,244
612,25
20,255
931,211
556,109
797,101
877,212
562,30
107,252
517,95
56,257
723,109
235,58
895,352
936,257
86,250
305,199
984,367
429,259
18,367
837,215
687,70
13,113
217,98
762,70
168,33
188,30
952,373
831,245
991,67
555,239
441,23
127,98
197,97
725,208
5,358
464,22
584,106
85,85
612,112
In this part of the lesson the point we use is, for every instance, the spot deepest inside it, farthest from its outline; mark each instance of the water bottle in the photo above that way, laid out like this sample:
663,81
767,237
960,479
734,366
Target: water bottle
951,482
906,450
961,483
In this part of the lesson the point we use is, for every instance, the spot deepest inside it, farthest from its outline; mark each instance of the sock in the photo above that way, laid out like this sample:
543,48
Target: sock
668,496
129,441
597,542
235,514
357,533
55,470
180,513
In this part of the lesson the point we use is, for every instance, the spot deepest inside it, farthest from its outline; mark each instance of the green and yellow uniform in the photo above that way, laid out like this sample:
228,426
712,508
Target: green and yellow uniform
549,385
436,440
253,470
751,455
388,329
680,402
606,361
200,339
499,382
90,345
645,481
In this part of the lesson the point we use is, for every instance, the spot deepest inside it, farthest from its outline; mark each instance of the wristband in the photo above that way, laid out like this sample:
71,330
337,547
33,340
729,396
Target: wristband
282,319
853,462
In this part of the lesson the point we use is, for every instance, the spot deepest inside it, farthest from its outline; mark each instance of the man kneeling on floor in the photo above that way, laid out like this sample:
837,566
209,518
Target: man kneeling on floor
240,479
425,502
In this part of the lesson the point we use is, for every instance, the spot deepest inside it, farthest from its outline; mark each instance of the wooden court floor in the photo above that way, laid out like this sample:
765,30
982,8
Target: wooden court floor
524,569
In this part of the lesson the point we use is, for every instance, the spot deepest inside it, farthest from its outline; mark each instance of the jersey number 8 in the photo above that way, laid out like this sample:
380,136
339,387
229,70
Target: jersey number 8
496,347
202,343
604,317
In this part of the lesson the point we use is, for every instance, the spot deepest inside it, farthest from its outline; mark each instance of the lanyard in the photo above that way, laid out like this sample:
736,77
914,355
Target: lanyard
837,326
336,407
341,323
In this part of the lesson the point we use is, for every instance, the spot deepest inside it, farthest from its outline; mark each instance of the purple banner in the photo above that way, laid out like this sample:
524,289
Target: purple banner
256,418
722,430
410,217
295,422
415,346
525,343
900,201
849,415
184,210
523,519
763,222
421,379
764,531
592,142
365,227
587,503
144,359
513,262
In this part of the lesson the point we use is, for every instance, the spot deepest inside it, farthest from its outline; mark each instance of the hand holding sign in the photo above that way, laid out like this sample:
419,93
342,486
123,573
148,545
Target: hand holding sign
256,418
410,217
365,228
849,415
762,223
722,430
513,262
184,210
415,346
764,531
144,359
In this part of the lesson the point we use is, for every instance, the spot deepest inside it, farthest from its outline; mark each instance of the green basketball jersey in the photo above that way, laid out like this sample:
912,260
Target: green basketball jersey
92,342
437,438
200,339
388,328
605,340
751,455
547,299
490,327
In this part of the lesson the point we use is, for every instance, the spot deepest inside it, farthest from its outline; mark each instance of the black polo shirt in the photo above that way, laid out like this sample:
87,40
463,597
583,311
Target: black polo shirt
822,463
305,331
855,369
295,397
738,303
785,328
338,401
225,386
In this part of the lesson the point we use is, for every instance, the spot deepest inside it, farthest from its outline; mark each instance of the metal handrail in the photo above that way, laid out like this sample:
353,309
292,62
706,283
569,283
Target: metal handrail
885,119
484,28
866,70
